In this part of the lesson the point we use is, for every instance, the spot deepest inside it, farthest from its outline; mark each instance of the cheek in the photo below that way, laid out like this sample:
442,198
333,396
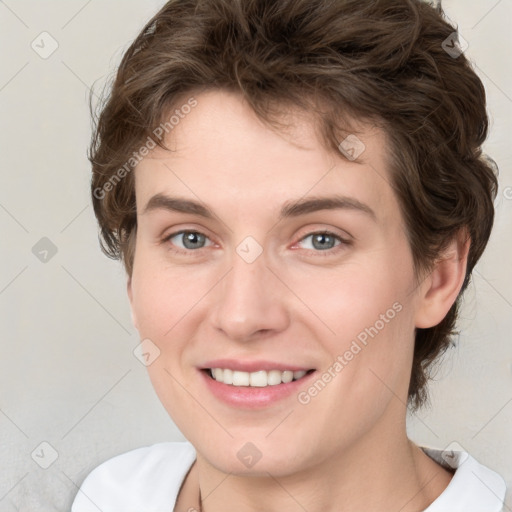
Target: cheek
363,315
368,345
355,301
163,297
165,302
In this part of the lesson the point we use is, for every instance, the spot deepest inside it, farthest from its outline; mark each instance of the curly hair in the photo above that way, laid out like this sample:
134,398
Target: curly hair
384,61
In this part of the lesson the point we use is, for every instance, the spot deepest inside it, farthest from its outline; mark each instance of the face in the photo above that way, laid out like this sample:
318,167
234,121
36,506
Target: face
264,285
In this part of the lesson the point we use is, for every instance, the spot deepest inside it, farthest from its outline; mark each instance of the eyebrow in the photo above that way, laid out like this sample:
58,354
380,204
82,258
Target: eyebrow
290,209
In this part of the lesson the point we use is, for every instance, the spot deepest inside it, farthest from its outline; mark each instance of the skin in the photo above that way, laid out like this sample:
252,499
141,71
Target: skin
347,449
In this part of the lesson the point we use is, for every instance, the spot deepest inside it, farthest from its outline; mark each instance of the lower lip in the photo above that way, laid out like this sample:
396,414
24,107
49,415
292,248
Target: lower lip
249,397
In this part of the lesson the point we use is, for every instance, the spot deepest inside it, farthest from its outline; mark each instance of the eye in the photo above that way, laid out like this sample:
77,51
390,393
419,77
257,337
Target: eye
190,240
187,241
324,241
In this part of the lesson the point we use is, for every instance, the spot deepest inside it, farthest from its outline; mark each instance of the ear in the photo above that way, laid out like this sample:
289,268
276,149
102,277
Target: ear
440,289
130,298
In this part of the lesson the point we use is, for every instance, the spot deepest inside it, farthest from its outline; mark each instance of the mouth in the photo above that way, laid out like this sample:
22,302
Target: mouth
255,384
256,379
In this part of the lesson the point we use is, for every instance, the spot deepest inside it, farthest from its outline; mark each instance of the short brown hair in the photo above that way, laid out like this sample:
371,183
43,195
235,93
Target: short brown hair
381,60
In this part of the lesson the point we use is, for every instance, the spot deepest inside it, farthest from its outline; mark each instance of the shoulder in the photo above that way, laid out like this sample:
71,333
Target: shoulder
146,479
473,487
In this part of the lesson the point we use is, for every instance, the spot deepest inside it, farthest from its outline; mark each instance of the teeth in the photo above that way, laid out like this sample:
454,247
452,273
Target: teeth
239,378
274,377
227,376
259,379
287,376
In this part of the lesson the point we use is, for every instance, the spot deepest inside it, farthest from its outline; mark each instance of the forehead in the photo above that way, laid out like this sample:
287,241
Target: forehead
222,153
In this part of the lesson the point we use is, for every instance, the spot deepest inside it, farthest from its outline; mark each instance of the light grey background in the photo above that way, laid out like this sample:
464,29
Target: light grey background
68,376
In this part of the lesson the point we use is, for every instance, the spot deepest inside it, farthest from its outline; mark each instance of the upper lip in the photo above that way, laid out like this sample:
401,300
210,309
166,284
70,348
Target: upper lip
252,366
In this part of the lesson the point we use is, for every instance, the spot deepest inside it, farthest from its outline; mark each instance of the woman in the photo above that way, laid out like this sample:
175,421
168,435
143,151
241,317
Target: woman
297,191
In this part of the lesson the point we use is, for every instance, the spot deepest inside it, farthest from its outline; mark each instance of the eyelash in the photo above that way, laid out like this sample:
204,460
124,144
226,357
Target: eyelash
325,253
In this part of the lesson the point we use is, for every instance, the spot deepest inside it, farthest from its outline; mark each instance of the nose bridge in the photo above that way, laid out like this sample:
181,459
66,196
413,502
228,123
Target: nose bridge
246,301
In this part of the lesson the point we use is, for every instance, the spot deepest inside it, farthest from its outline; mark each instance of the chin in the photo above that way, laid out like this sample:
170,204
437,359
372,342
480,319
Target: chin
259,457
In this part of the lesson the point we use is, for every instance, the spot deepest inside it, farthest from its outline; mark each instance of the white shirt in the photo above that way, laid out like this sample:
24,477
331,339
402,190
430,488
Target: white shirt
148,480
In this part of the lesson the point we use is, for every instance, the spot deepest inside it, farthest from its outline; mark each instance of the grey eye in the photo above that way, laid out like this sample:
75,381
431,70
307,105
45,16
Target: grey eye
189,239
322,241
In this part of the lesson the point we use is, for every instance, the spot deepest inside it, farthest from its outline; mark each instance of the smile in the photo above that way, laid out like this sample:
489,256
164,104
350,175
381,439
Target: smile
258,379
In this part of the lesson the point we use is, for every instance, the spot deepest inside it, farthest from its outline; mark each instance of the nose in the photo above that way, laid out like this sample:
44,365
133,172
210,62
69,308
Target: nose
250,301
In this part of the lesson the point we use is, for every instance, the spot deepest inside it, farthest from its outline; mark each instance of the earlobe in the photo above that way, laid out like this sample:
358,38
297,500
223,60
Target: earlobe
440,289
